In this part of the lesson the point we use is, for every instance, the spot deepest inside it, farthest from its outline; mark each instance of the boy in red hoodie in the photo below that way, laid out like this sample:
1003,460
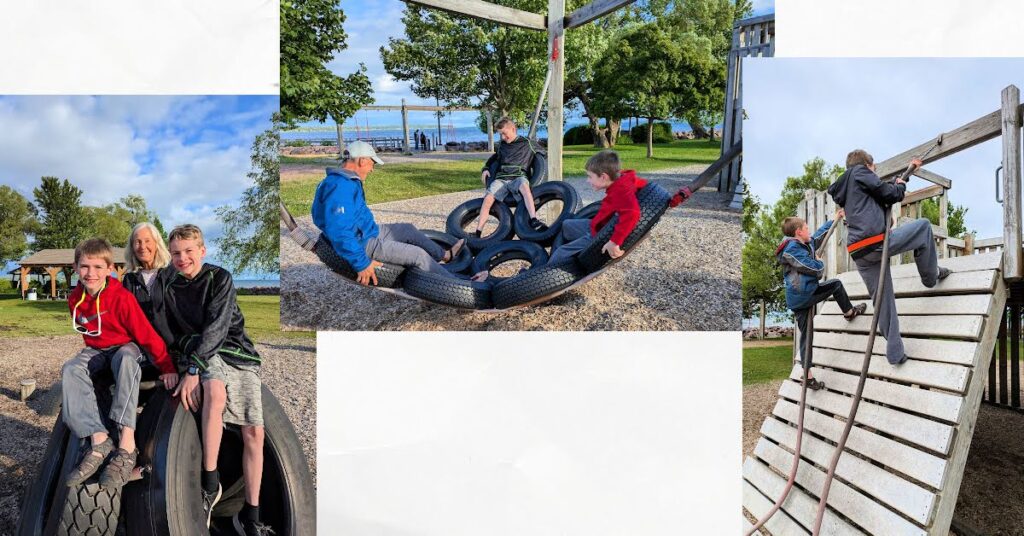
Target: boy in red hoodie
113,327
603,173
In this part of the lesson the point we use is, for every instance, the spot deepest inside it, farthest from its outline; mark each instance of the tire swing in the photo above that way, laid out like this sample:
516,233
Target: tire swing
469,212
388,276
542,195
462,262
511,250
653,201
586,213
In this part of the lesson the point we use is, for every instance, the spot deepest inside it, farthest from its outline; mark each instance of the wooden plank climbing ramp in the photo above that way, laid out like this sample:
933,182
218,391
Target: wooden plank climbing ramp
901,470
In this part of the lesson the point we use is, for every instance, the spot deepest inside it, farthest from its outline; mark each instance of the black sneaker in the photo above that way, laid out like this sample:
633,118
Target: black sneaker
538,225
899,361
250,528
477,233
944,273
814,384
209,501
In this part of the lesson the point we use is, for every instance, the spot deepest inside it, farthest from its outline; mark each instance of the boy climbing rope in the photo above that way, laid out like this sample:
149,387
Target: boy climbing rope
801,272
514,158
866,199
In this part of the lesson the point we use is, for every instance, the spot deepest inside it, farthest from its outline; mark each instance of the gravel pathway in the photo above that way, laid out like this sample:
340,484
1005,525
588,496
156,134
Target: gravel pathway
992,492
684,276
289,370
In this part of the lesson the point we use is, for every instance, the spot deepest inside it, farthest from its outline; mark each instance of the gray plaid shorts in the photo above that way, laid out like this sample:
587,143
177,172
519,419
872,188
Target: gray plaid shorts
242,383
500,188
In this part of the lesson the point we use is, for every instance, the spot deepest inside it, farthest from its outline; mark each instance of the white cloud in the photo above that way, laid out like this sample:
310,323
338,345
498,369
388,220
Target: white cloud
386,83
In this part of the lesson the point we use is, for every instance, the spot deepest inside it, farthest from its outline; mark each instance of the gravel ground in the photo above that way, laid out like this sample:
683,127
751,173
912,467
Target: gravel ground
289,370
992,493
684,276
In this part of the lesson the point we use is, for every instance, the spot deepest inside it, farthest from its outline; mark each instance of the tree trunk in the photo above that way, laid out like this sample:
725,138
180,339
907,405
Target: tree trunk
613,126
650,137
760,331
600,140
699,132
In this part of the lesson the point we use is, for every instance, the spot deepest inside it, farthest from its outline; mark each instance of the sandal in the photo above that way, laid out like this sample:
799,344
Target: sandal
453,251
91,461
856,311
119,470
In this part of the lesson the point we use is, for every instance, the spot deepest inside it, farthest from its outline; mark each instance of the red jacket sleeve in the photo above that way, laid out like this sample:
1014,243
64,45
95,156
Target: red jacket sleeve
140,330
628,218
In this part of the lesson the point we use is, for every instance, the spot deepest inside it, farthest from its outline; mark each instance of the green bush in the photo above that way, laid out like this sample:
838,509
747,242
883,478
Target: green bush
662,133
579,135
296,143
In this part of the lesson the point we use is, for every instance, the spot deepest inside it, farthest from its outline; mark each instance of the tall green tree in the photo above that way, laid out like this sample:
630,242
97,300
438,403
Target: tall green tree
311,34
462,60
19,222
251,239
112,222
64,222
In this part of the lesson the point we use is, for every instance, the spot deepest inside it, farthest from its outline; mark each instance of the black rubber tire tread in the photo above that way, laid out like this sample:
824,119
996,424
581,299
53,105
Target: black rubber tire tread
536,283
545,193
36,503
509,250
167,503
90,510
586,213
462,261
538,174
653,203
450,291
469,212
388,276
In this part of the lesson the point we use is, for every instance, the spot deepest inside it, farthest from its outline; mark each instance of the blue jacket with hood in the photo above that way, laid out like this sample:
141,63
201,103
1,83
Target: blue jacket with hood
801,271
340,211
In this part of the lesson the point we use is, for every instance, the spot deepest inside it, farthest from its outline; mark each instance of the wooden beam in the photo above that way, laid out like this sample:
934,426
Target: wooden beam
755,20
53,271
405,128
419,108
1013,263
488,11
933,178
556,89
922,194
593,10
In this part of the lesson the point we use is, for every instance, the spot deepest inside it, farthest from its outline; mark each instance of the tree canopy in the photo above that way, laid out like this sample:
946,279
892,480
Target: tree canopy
116,220
64,222
19,221
311,34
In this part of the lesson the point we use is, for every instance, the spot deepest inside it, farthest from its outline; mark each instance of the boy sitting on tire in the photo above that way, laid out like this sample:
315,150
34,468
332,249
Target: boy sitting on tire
113,328
210,332
513,158
801,272
620,187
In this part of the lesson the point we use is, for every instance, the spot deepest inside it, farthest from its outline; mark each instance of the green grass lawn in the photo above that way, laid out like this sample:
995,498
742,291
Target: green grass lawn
395,182
20,318
766,364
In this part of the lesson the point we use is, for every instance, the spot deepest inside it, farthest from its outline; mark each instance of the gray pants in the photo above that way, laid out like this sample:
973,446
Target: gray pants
915,236
81,411
576,234
404,245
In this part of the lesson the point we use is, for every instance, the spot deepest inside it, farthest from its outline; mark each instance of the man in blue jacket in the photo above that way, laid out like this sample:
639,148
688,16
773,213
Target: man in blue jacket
801,272
866,199
340,211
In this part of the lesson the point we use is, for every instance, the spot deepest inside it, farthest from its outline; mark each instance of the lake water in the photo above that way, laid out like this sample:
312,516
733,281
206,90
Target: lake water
254,283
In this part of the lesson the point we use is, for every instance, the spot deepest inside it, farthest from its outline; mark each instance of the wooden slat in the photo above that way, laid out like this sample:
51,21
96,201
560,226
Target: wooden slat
949,326
901,495
927,192
957,283
938,404
970,263
758,505
593,10
799,505
918,464
946,351
863,511
978,131
929,434
488,11
968,304
934,178
942,375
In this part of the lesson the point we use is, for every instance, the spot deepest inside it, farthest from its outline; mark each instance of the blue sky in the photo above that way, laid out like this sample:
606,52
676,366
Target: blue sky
798,109
185,155
369,24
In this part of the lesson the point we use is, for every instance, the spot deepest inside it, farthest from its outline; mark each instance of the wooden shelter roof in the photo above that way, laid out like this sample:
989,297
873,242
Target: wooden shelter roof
61,257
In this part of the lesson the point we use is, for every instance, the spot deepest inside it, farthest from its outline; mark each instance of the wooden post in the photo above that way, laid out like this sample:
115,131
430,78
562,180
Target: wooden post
27,388
968,244
730,95
1013,267
556,55
53,280
944,222
24,281
405,128
490,131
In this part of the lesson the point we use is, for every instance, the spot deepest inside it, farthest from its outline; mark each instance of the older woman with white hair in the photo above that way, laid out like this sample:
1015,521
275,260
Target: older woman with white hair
145,257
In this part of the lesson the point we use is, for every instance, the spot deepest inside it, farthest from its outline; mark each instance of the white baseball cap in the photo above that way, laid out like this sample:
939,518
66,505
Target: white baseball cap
361,149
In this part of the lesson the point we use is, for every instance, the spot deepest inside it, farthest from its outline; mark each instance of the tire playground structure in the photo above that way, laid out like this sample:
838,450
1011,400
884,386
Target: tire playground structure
166,501
539,283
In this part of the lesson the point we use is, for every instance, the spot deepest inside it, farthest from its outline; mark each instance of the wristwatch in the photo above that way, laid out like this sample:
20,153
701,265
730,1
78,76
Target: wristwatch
193,370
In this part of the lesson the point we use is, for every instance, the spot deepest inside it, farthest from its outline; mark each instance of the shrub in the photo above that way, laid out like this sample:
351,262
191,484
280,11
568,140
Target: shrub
579,135
296,143
662,133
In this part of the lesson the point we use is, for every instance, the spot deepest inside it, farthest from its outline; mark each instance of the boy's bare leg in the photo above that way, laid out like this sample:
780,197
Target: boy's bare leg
215,398
528,199
252,462
485,211
127,441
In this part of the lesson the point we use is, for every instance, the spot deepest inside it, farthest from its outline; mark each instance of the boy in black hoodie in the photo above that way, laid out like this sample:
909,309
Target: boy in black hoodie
866,200
514,158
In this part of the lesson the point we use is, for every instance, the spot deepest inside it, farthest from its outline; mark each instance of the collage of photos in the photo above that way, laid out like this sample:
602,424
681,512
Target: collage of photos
511,267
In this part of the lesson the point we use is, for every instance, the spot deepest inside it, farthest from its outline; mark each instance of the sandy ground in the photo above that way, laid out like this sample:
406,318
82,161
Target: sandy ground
992,493
289,370
684,276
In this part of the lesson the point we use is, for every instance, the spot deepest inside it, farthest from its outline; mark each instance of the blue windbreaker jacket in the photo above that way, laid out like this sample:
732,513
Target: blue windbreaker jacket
340,211
800,270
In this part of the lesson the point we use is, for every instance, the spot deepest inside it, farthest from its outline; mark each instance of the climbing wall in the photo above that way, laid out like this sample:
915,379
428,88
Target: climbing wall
901,470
